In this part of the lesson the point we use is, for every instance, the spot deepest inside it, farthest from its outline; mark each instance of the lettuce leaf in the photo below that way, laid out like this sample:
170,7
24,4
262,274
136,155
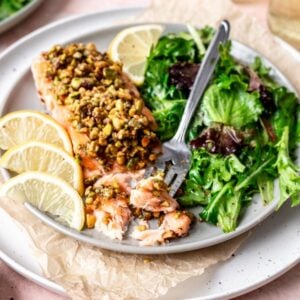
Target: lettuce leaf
211,212
168,114
286,103
266,188
286,114
208,174
264,73
224,205
234,106
169,50
229,211
289,178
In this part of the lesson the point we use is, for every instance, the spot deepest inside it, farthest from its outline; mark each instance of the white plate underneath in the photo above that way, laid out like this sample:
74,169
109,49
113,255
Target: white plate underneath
259,261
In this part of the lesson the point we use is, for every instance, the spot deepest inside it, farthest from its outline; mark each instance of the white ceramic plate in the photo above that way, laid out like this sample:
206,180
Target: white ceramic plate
202,234
262,258
19,15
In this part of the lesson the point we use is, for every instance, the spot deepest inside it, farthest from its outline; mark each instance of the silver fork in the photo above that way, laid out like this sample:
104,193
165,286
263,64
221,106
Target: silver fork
175,152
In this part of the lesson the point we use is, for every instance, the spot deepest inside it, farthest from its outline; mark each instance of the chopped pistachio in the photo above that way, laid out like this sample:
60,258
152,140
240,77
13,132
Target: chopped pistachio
152,157
77,55
107,130
90,221
75,83
109,73
119,105
168,234
94,133
141,227
89,200
74,95
138,104
121,158
117,123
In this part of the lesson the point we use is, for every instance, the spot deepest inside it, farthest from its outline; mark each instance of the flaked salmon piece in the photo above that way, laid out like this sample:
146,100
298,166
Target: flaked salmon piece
178,222
113,217
125,180
151,194
175,224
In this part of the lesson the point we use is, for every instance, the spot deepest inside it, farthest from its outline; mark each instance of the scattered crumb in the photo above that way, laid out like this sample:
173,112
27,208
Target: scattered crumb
147,260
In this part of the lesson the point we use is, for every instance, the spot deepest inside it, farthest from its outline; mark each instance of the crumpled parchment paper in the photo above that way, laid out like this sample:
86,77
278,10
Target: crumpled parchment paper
87,272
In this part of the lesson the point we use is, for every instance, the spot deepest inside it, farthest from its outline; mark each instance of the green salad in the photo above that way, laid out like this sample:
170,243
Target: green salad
9,7
243,135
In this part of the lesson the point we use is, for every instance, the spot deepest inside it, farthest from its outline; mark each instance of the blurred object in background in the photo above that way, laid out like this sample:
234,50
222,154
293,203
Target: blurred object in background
284,20
13,12
243,1
9,7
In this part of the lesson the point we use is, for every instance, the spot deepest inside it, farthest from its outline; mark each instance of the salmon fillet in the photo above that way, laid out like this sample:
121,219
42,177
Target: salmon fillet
96,112
113,137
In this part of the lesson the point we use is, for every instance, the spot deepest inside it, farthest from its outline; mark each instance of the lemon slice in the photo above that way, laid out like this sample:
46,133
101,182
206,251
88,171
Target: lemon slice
49,194
26,125
38,156
132,46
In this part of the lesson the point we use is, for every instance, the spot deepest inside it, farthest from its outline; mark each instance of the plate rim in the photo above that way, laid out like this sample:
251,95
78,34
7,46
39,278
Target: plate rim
17,266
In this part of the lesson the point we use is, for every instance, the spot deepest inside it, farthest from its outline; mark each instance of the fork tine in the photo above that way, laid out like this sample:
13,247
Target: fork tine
161,165
177,183
170,175
148,171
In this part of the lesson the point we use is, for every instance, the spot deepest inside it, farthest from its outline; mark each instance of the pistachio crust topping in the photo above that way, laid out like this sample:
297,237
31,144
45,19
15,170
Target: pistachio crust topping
105,106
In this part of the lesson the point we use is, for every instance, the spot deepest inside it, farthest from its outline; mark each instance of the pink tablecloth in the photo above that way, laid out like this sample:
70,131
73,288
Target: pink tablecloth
14,286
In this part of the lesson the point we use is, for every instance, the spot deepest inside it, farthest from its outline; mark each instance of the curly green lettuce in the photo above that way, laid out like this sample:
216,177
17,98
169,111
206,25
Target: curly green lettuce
249,101
234,106
289,177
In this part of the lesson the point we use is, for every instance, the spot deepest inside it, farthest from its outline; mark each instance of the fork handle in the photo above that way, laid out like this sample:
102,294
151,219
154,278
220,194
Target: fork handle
203,76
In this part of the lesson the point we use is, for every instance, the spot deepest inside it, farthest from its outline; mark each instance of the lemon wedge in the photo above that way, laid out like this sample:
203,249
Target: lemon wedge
132,46
49,194
38,156
26,125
